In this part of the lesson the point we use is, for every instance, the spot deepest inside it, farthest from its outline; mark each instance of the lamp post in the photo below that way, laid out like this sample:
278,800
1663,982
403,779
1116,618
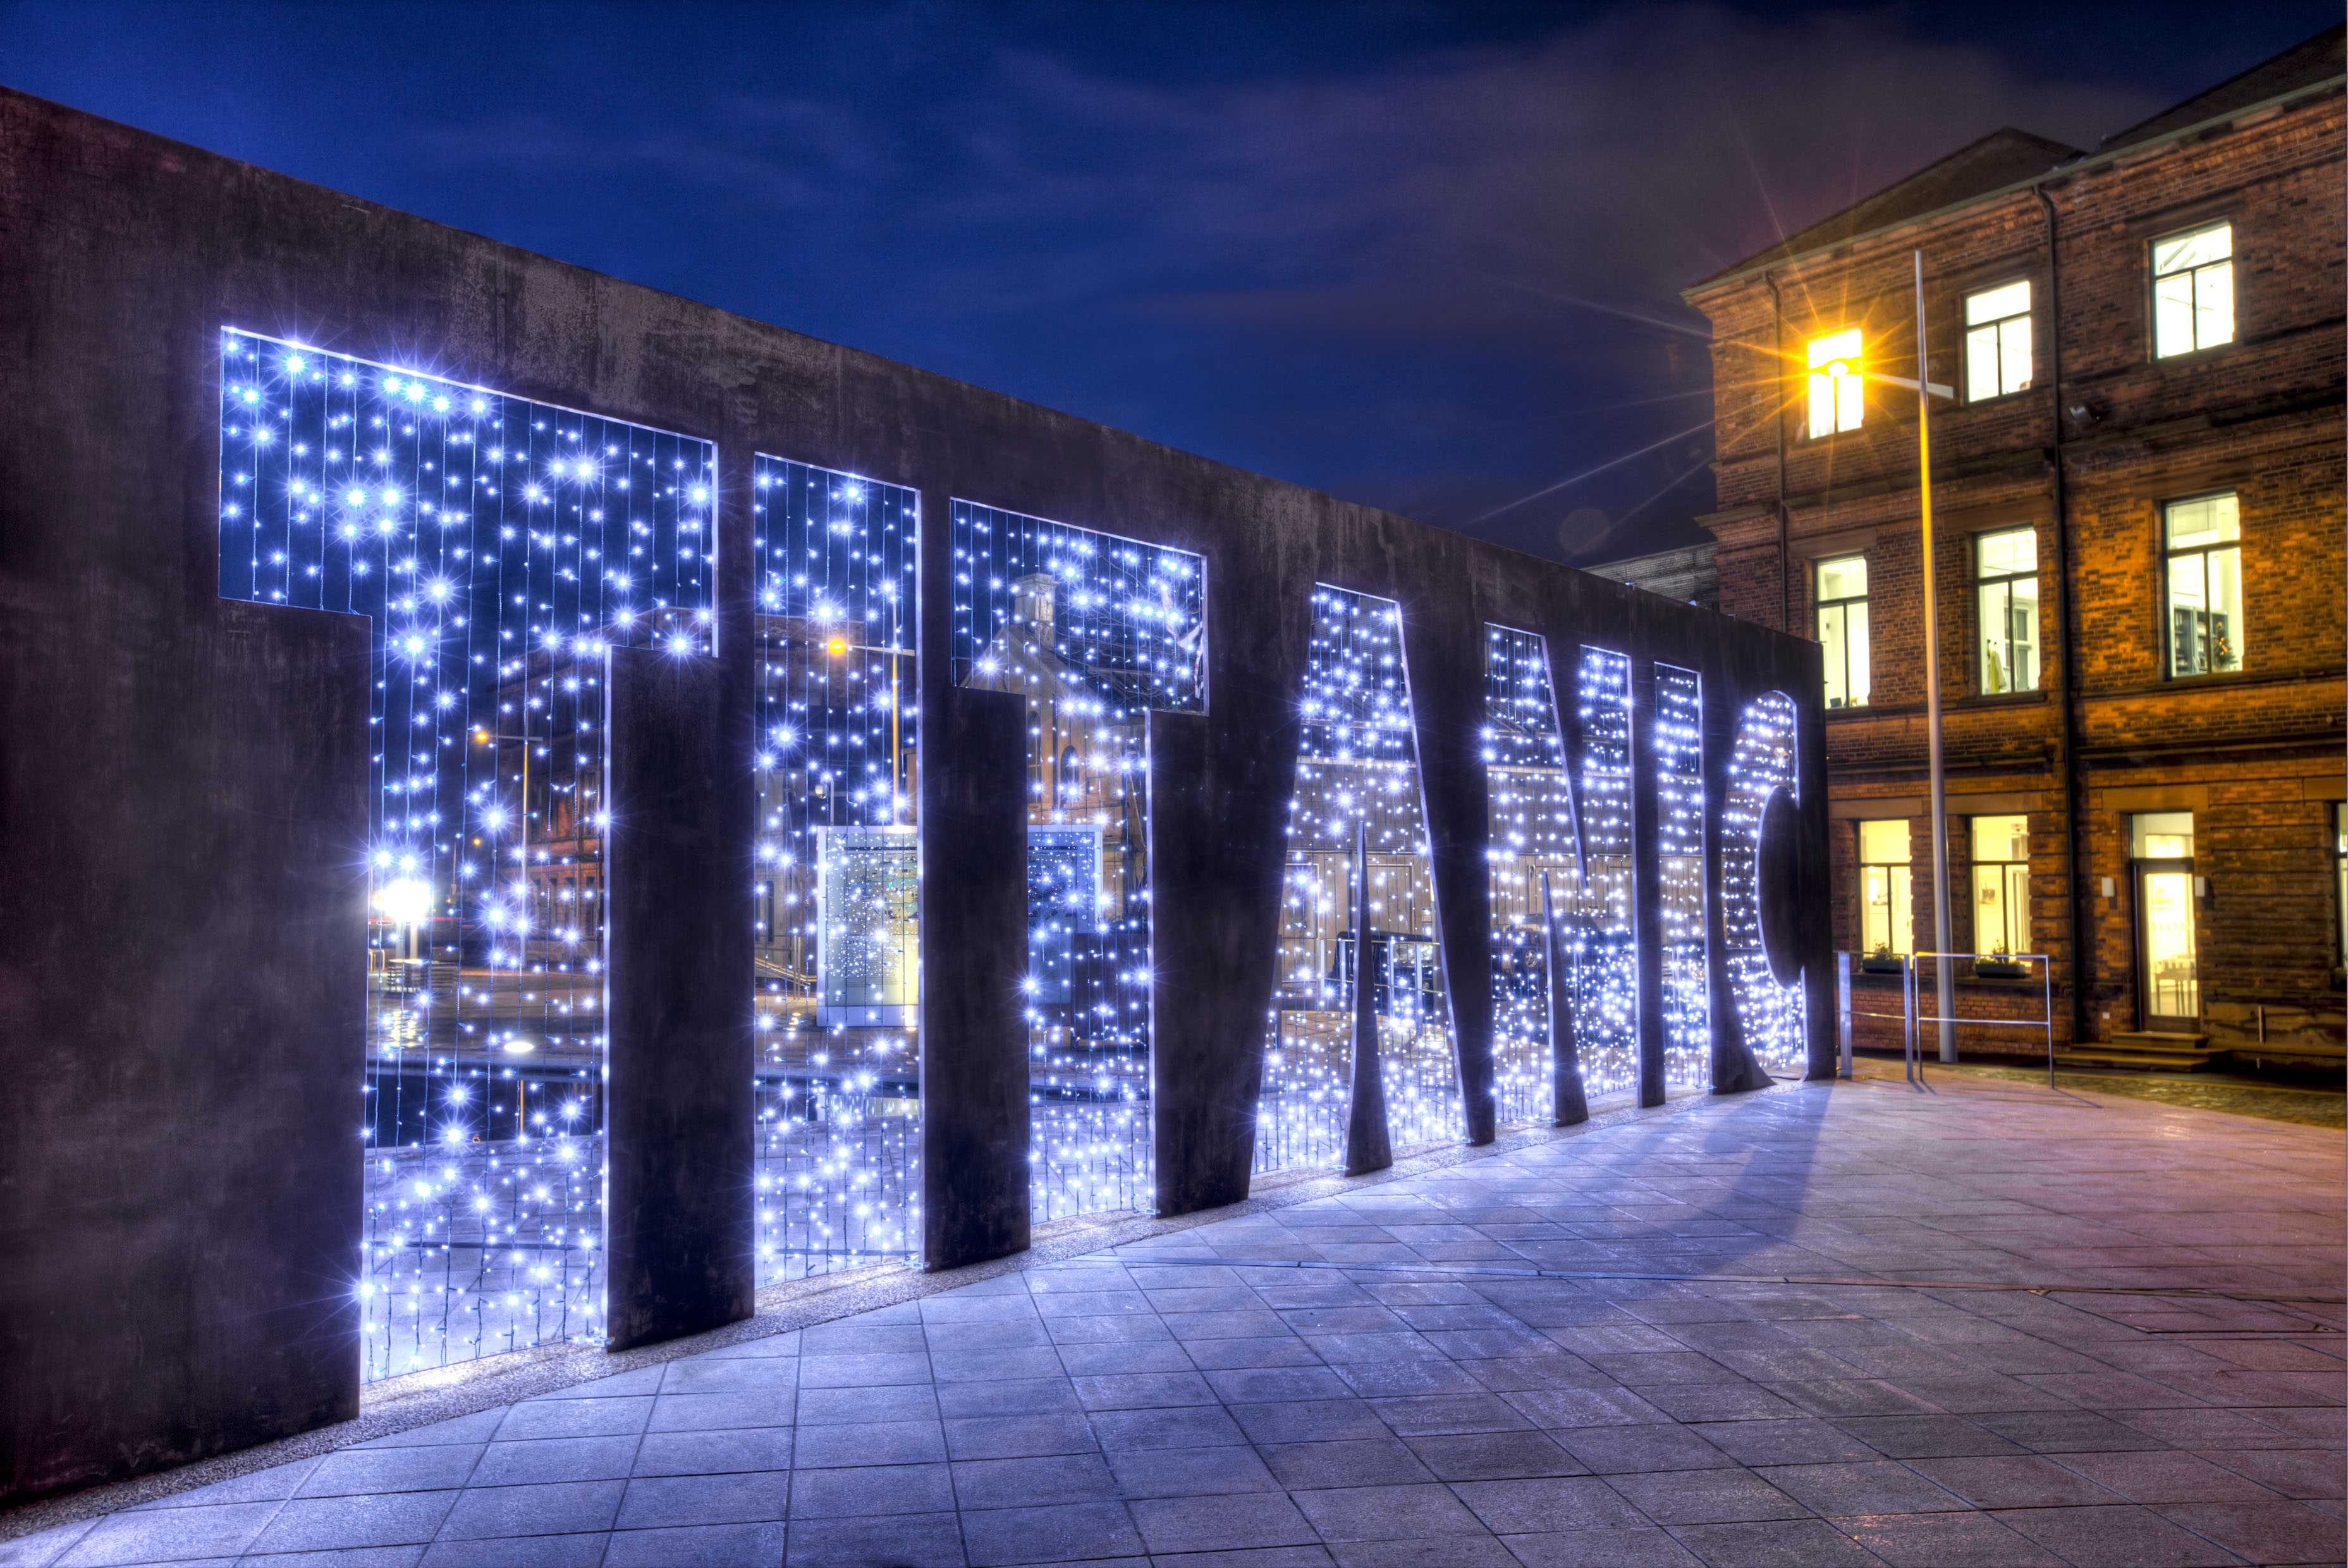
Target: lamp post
1946,1010
1926,390
837,645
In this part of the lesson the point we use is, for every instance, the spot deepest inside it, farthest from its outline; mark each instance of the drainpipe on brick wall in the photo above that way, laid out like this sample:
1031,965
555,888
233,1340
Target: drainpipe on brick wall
1777,368
2073,883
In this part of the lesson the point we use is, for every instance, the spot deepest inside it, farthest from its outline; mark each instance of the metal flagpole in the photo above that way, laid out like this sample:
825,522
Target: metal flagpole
1943,986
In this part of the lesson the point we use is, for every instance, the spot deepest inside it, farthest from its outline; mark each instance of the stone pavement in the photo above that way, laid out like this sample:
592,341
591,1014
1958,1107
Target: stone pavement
1672,1340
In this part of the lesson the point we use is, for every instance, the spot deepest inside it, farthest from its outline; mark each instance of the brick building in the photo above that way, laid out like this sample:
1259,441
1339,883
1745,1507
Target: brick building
2137,491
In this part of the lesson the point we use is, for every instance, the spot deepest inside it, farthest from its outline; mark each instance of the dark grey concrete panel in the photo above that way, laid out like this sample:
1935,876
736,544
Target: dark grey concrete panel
1443,649
682,1215
1815,943
1369,1140
1647,887
1219,794
183,830
1569,1096
974,1107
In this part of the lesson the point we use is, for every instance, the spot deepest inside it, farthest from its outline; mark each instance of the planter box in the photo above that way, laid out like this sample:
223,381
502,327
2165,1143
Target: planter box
2000,969
1882,965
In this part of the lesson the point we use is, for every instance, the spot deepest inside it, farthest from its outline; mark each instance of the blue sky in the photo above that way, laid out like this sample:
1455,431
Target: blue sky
1423,256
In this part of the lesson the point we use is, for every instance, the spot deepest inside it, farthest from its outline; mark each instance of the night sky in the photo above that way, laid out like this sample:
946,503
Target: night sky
1423,256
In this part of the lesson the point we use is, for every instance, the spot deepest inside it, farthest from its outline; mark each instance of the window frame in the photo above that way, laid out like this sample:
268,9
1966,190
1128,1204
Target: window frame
2154,277
1813,374
2012,910
1983,582
2338,839
1966,328
1821,604
2169,553
1898,888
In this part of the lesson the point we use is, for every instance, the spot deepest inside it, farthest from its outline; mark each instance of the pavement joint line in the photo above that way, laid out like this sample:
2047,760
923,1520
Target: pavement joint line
2198,1292
443,1394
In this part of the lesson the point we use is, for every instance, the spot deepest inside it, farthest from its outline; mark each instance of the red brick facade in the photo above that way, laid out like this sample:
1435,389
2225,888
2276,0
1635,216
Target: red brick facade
2254,754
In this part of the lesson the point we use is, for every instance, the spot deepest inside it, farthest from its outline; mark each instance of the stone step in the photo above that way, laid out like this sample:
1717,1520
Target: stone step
2158,1040
2150,1052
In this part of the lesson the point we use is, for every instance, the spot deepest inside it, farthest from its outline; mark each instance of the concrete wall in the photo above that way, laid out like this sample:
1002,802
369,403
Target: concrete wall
183,807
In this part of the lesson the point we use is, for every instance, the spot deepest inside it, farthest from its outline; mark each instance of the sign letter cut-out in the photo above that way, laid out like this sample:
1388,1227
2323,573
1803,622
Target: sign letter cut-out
1677,736
501,547
1535,855
1094,632
1761,796
1357,766
837,883
1601,946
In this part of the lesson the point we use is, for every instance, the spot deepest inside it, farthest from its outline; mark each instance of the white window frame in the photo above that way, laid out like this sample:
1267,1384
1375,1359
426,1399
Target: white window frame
2171,554
1858,687
2206,294
1995,342
1994,637
2010,878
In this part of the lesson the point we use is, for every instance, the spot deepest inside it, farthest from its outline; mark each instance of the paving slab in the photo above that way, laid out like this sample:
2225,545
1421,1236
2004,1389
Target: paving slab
1985,1324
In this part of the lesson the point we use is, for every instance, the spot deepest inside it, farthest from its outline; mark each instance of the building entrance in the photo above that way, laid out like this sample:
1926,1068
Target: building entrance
2169,980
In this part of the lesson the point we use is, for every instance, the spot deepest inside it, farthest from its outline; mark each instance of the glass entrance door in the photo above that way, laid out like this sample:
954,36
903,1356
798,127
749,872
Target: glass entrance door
2166,971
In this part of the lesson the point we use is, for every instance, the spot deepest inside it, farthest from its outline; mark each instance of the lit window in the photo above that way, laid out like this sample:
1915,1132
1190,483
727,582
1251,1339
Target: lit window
2205,585
1885,914
2161,836
1997,341
2193,291
2001,885
1842,629
1838,393
2340,882
2005,568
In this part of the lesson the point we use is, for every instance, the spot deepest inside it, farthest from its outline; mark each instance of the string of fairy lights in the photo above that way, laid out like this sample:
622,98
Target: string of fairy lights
1531,831
1676,734
1601,943
1770,1013
835,947
499,548
1357,765
1094,632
